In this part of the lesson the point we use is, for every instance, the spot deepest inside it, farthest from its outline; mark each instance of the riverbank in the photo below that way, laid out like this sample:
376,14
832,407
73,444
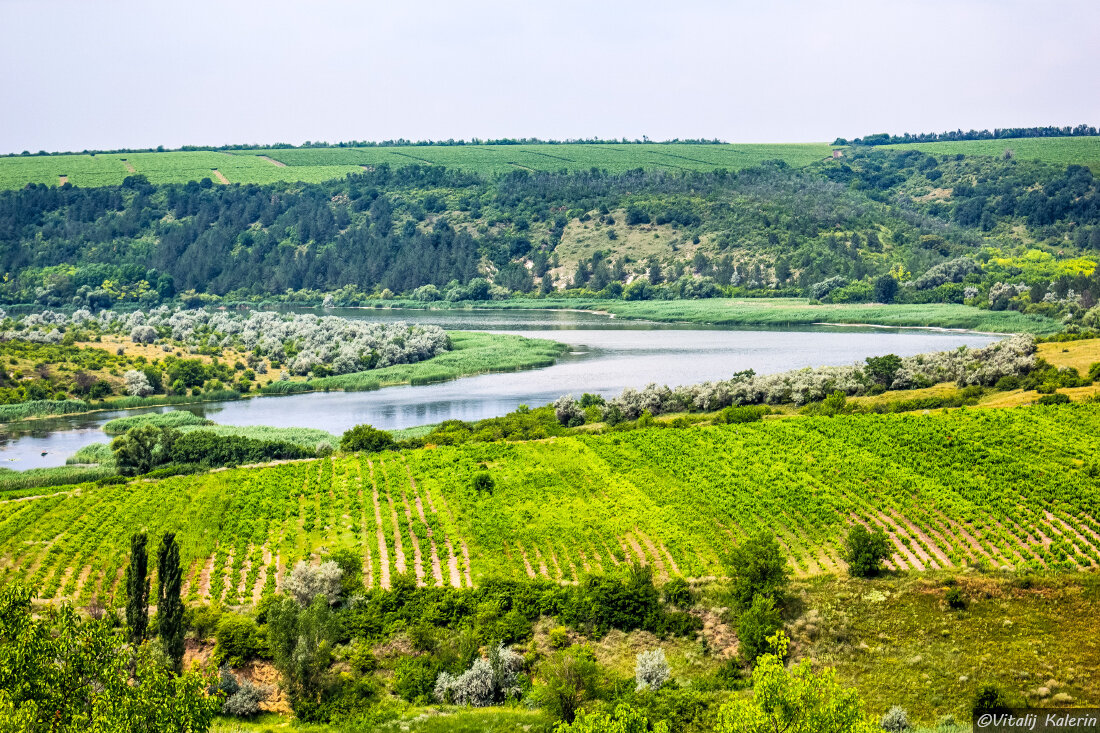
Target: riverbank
772,313
472,353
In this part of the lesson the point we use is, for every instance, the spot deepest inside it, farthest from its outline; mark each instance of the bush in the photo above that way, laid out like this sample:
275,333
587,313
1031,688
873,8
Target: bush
757,567
1057,398
486,682
237,640
677,592
989,699
569,679
559,637
651,670
203,620
242,697
482,482
755,626
895,720
307,582
367,439
736,415
955,599
865,551
414,678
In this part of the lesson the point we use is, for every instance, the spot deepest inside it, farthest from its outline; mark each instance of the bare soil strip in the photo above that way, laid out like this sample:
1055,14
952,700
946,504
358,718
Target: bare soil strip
276,163
227,575
261,577
383,551
466,559
658,561
129,165
610,554
62,180
671,563
558,574
584,561
526,562
543,571
204,577
418,564
219,175
246,567
437,570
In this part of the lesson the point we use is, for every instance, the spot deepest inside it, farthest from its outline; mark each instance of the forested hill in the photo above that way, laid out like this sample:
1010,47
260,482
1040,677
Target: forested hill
874,224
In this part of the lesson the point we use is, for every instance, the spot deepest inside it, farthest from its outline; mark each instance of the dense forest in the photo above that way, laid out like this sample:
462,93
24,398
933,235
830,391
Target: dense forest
871,226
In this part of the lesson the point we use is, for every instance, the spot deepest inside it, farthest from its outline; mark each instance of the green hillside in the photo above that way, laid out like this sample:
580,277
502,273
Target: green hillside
1056,150
312,165
671,498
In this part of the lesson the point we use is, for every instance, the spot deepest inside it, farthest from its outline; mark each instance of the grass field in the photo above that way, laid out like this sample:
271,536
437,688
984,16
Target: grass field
1057,150
783,312
317,164
997,488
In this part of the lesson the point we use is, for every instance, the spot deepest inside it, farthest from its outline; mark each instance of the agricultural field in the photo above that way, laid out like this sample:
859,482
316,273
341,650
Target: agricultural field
312,165
1057,150
1002,489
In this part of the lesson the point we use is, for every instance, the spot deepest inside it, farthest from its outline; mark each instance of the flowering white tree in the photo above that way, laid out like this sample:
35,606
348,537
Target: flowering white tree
651,670
307,582
137,384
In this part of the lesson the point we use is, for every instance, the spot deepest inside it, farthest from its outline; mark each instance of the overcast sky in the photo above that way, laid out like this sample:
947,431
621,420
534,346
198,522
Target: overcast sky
101,75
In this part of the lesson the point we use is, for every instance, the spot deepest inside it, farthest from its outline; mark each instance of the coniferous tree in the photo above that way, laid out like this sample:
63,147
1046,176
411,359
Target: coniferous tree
169,605
137,589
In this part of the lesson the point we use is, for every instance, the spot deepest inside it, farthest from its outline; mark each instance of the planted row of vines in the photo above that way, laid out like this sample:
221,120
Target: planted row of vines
1002,488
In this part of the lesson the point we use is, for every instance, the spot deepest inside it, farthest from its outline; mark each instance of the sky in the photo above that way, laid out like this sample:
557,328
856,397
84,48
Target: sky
102,75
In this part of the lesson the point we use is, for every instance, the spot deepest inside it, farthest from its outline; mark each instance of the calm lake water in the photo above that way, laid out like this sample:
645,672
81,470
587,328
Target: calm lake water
607,355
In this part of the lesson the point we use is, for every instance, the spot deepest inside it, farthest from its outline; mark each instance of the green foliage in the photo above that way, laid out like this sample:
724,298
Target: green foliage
483,482
1055,398
757,567
142,448
677,592
625,719
756,626
865,550
137,590
351,565
414,678
990,699
169,605
569,679
170,419
955,599
882,369
368,439
58,673
795,700
741,414
301,643
237,640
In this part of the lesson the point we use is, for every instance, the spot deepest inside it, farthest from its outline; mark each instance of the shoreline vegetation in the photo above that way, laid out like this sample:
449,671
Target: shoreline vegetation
472,353
767,313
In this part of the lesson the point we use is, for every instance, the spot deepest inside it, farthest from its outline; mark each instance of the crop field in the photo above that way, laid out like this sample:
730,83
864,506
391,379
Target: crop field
1007,488
311,165
1057,150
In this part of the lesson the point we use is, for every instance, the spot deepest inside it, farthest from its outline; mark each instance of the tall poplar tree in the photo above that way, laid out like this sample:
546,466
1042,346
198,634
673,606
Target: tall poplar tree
169,605
137,589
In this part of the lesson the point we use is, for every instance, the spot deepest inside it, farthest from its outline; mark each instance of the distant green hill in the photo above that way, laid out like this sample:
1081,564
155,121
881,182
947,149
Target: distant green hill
1057,150
312,165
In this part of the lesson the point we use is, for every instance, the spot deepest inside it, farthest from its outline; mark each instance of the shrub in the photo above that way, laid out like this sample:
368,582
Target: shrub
482,482
895,720
865,551
677,592
1057,398
569,679
757,567
414,678
756,626
625,719
487,681
1007,383
242,697
203,620
307,582
568,411
989,699
367,439
237,640
651,670
559,637
955,599
735,415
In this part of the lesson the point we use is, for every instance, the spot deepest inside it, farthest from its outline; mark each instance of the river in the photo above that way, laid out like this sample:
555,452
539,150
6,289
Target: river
606,356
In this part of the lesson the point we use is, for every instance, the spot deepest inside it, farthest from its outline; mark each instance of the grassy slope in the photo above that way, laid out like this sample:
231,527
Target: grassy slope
1057,150
785,312
318,164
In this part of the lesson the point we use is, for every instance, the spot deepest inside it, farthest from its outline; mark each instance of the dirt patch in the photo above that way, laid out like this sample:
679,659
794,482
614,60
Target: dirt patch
276,163
219,175
719,635
383,551
658,561
543,570
466,559
62,180
129,165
